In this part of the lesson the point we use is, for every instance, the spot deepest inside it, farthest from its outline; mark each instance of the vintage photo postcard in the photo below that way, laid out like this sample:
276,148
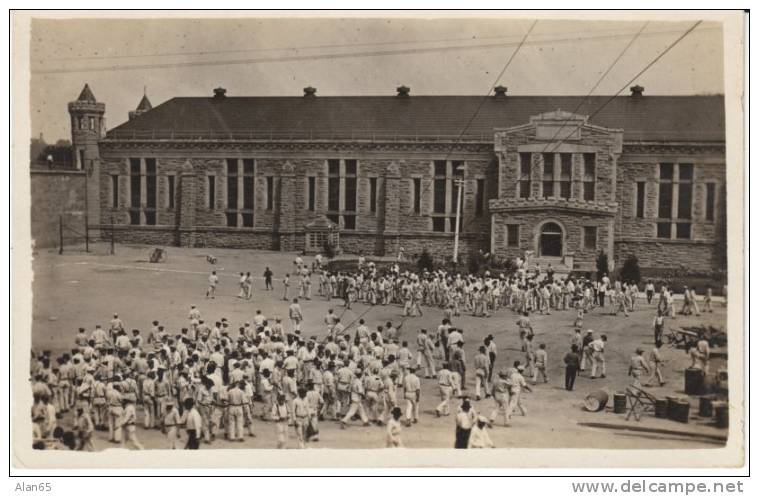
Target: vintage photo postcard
377,239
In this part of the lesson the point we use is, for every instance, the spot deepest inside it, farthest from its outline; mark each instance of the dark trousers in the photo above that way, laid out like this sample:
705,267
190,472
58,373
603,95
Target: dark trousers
193,442
462,438
658,331
268,283
601,298
492,366
570,375
649,296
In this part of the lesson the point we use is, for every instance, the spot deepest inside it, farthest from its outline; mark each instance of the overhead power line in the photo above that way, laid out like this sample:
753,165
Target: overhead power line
640,73
316,47
327,56
595,86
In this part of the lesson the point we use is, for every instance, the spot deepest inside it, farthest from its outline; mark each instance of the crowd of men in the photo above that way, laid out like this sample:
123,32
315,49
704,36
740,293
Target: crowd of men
211,381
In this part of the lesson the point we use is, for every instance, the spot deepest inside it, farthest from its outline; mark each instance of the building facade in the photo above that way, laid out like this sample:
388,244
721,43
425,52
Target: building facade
642,175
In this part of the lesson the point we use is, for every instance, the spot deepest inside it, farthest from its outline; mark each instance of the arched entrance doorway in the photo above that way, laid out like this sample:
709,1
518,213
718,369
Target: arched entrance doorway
551,240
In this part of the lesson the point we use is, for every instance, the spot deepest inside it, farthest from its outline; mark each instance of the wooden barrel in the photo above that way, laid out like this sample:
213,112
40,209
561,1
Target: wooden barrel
595,402
679,411
705,406
721,414
620,402
660,408
694,381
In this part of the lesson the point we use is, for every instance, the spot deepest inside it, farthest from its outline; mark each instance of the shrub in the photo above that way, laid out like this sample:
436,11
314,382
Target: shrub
425,261
630,269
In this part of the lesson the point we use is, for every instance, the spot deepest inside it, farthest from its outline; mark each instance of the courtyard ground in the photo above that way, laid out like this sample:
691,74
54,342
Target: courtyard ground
80,290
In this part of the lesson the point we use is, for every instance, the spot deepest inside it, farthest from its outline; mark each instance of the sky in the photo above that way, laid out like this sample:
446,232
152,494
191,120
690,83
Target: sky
457,56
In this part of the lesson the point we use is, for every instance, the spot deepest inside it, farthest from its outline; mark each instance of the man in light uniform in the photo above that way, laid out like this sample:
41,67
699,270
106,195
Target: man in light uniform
445,385
235,412
598,347
412,389
213,281
357,401
638,364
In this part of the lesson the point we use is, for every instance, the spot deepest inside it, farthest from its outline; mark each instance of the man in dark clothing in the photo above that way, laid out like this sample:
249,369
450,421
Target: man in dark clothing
572,363
267,278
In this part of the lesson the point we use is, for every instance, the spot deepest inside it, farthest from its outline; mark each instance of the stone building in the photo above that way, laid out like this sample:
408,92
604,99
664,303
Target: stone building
556,178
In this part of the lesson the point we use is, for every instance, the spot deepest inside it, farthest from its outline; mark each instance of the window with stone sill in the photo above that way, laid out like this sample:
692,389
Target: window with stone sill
525,175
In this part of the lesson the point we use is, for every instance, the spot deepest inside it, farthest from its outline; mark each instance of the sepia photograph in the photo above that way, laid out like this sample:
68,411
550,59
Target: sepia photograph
376,231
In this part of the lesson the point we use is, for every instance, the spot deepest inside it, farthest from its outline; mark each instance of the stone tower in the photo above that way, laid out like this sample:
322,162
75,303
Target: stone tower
87,126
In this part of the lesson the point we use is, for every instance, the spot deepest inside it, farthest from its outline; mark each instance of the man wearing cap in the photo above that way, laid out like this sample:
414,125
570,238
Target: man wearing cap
412,389
501,391
518,384
296,315
637,365
236,419
357,393
446,386
598,346
481,372
128,421
193,424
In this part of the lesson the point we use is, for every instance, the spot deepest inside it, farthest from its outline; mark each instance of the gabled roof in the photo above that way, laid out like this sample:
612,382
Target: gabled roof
643,118
86,95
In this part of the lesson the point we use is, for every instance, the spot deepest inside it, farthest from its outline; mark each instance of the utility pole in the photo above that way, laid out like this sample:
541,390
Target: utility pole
460,184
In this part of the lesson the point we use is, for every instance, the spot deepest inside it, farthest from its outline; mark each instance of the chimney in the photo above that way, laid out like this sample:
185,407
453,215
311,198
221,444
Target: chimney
403,91
637,91
309,92
500,91
219,93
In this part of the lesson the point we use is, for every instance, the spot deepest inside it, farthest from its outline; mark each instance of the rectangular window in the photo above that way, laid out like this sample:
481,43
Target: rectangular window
512,235
350,194
151,181
150,217
333,166
683,230
134,181
335,218
685,191
525,174
590,236
211,192
373,194
92,123
350,168
349,222
417,195
333,200
232,187
269,193
479,199
247,219
311,194
548,172
135,190
114,191
640,199
666,171
231,219
565,176
438,206
589,176
440,168
665,200
664,230
438,224
248,192
171,187
81,159
710,201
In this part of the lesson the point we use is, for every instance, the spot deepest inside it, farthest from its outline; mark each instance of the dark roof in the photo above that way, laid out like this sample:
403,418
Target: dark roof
144,104
86,95
646,118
